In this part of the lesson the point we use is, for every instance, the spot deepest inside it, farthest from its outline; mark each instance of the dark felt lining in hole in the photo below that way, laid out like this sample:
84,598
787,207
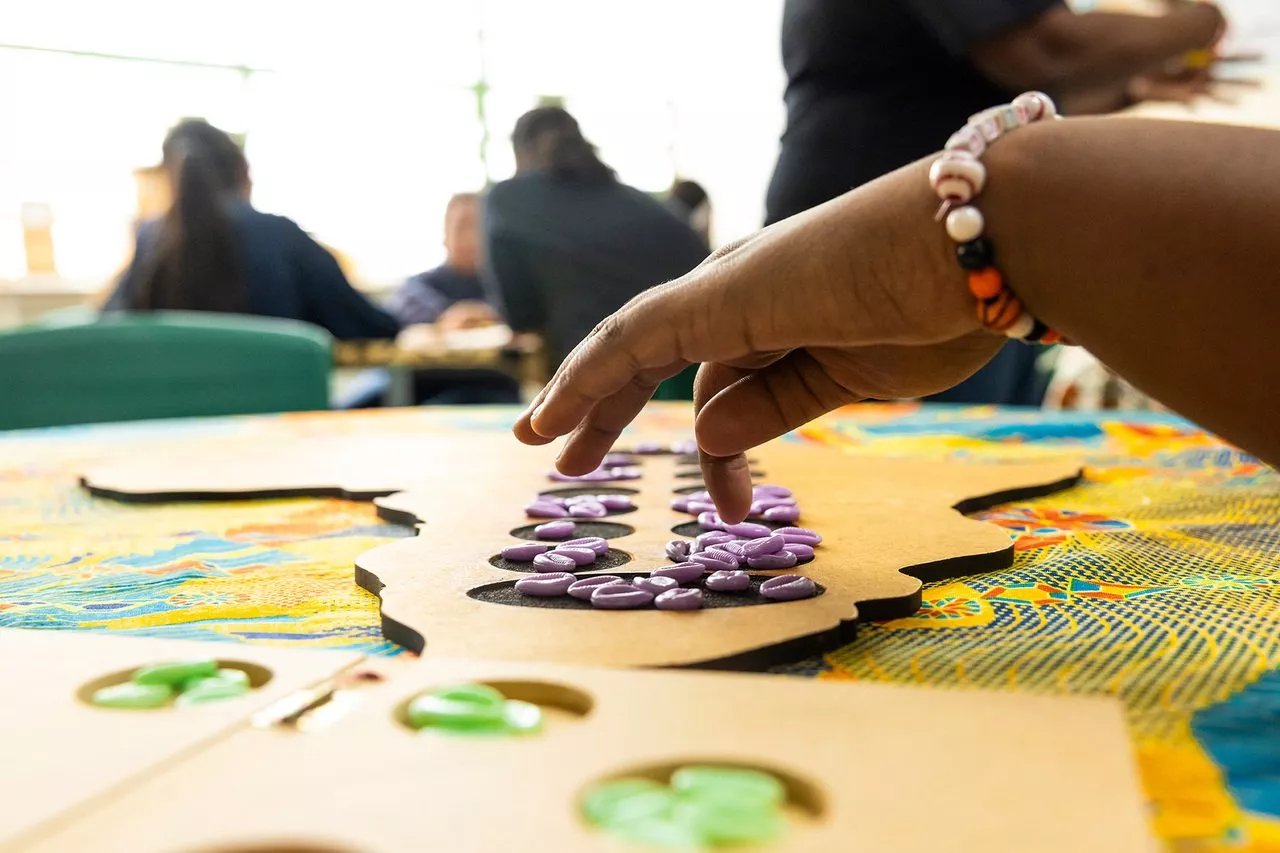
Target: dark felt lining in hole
610,559
574,491
504,592
691,528
603,529
697,472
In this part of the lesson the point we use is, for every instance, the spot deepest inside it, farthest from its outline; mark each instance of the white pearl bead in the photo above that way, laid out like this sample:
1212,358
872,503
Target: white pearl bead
965,224
1021,327
956,166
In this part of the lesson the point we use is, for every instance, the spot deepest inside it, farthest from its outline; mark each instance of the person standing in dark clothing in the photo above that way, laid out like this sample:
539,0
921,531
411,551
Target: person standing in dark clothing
876,84
566,244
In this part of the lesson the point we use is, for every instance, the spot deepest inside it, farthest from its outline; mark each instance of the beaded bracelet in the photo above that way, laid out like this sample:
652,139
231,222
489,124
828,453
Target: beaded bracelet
958,177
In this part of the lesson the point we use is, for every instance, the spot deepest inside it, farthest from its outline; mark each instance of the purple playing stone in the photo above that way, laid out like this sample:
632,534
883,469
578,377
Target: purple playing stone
648,448
580,556
679,599
772,562
804,553
545,509
713,559
620,596
728,580
553,562
595,543
681,572
782,513
703,541
656,585
768,503
524,553
696,507
584,587
616,503
710,521
617,460
799,534
770,491
680,504
594,509
554,530
703,495
763,545
748,530
788,588
677,550
546,585
685,448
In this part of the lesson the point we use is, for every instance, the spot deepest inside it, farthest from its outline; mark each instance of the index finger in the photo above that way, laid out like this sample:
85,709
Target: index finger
646,340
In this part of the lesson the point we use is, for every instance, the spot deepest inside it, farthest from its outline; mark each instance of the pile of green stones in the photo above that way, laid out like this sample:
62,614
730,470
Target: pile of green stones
473,709
702,806
182,683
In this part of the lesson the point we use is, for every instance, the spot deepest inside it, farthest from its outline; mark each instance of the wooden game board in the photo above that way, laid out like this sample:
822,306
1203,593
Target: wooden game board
59,751
889,524
868,768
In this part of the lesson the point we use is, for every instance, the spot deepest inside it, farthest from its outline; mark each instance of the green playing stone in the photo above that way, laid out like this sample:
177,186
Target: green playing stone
733,784
721,821
627,800
461,710
523,718
215,688
131,695
175,673
660,832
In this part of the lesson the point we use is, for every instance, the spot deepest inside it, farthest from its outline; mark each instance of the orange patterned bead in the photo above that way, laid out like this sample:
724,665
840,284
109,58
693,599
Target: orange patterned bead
1011,311
986,283
1000,312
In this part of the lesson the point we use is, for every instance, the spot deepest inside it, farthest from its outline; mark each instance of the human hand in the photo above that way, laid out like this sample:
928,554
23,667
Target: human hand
467,314
858,299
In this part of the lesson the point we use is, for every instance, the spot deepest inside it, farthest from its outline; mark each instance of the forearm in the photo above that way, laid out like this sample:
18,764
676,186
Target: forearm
1155,246
1063,52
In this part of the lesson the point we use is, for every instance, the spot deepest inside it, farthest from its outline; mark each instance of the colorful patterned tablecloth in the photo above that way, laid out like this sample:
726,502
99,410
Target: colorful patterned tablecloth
1156,580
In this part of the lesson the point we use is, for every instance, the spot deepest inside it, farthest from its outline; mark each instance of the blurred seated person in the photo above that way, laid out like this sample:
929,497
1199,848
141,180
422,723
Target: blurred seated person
451,295
688,200
566,243
212,251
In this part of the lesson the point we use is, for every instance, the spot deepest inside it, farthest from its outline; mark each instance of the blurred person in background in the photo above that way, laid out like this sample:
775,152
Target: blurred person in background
452,294
212,251
566,244
688,200
876,84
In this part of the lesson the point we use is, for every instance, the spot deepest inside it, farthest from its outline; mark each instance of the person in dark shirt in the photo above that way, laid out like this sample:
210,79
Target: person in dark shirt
452,293
213,251
566,244
689,200
876,84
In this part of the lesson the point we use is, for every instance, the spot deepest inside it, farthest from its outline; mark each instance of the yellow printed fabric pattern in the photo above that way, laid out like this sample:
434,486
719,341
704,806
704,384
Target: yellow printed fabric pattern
1156,580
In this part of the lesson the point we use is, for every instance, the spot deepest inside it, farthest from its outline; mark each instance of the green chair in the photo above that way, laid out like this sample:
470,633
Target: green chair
166,364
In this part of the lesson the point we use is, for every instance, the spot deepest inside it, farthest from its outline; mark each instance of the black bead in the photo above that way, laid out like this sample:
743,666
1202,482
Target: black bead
976,254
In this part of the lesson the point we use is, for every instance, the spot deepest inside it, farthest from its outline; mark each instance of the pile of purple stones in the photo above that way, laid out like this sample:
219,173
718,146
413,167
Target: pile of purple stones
578,506
721,550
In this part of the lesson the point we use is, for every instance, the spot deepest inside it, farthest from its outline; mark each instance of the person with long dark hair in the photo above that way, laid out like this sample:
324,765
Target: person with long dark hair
212,251
566,243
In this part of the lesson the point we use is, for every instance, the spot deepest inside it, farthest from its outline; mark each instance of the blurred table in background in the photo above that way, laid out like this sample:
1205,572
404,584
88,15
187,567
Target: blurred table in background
491,348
